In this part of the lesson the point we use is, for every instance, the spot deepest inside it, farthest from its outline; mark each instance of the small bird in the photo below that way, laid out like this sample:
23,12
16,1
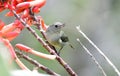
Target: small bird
56,37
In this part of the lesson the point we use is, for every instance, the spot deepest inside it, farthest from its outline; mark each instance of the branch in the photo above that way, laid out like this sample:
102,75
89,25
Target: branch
100,51
37,64
51,51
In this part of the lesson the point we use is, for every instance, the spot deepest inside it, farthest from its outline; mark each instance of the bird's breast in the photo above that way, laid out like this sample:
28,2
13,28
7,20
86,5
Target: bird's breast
53,39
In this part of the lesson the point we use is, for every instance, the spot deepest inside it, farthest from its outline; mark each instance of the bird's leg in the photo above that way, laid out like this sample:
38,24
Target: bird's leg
59,50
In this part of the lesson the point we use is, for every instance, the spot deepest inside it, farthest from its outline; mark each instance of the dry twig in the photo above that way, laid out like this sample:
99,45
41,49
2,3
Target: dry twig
100,51
93,58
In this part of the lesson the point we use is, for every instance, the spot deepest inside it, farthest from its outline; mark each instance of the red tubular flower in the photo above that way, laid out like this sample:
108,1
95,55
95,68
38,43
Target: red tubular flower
36,9
29,50
25,13
8,28
36,4
23,47
12,35
10,31
24,5
20,6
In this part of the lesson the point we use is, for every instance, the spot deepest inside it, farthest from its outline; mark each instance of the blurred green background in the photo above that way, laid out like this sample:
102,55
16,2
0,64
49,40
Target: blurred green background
99,19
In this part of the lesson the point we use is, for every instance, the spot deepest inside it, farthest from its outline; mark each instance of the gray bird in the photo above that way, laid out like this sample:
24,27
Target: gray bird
56,37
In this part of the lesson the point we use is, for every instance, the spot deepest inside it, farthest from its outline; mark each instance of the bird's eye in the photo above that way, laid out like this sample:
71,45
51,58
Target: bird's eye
56,26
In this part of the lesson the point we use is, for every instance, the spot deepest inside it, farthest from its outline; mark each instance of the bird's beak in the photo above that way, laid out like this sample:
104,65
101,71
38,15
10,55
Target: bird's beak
63,25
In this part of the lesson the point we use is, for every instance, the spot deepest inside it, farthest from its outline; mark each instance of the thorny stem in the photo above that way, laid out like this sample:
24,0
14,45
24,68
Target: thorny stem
37,64
100,51
94,59
58,58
